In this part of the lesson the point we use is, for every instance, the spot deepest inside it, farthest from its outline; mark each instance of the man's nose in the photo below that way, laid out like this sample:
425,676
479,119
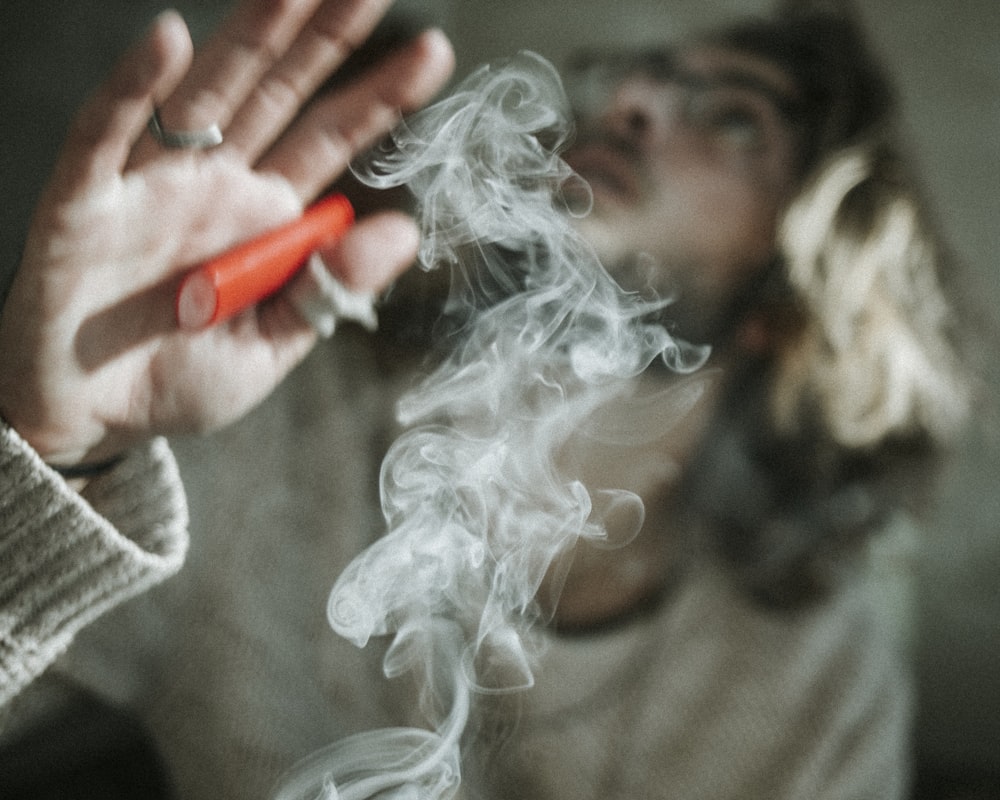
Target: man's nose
640,110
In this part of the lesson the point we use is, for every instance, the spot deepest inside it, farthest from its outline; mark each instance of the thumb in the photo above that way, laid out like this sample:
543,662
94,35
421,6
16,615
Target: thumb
341,283
374,252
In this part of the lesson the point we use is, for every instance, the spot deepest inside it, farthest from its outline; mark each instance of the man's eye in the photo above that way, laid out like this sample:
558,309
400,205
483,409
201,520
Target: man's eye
738,127
732,122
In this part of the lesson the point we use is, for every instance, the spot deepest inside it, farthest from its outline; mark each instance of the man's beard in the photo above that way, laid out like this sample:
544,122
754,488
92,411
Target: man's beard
688,311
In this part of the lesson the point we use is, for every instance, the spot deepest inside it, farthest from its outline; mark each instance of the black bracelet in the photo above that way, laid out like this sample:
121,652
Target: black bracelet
87,470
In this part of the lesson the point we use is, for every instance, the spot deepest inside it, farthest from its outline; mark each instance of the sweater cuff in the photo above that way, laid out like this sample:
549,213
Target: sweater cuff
66,558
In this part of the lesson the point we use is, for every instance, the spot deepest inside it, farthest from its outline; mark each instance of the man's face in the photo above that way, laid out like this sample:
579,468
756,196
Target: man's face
690,163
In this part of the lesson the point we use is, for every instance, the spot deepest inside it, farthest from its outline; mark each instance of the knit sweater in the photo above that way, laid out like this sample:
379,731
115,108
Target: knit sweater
65,564
233,668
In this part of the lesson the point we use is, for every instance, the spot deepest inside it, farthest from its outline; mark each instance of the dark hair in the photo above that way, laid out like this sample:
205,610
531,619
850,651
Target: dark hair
844,91
821,439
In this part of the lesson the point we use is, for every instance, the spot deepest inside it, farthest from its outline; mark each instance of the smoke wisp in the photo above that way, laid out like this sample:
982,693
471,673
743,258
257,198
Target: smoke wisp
476,506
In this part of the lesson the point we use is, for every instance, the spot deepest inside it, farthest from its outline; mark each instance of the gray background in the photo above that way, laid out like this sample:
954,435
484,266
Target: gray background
946,59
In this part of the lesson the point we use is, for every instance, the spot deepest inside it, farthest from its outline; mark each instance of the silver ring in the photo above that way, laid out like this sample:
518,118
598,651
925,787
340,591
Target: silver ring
184,140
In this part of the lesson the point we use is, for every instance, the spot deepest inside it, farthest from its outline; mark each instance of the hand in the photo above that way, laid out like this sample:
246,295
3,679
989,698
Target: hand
91,358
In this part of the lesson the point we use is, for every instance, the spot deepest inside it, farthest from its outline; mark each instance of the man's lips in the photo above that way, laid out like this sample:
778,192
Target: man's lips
608,171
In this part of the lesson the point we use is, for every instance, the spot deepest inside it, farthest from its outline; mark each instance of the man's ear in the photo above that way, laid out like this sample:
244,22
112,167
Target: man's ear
767,331
754,337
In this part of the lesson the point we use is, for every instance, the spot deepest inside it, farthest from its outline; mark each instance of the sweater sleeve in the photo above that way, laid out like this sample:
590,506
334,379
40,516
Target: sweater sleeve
68,557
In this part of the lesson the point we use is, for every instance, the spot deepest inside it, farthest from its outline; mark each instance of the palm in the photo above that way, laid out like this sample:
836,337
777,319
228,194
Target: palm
130,337
91,358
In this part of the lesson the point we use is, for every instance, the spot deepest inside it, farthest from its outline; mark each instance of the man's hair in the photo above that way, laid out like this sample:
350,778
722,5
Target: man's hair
844,93
848,412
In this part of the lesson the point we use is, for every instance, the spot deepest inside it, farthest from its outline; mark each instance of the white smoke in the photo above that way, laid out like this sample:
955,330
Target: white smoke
477,509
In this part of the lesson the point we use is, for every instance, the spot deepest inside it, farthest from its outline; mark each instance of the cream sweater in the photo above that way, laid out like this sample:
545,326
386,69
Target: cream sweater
232,666
64,564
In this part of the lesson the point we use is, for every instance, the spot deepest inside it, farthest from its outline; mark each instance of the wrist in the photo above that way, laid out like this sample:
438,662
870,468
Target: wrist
87,470
77,476
60,449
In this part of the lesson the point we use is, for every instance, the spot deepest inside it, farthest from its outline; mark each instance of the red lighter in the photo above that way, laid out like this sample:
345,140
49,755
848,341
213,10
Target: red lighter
239,278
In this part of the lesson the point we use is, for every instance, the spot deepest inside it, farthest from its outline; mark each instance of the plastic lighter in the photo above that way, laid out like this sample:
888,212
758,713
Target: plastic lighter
239,278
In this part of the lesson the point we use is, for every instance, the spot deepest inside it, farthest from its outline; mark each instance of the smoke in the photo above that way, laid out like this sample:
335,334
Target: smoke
477,508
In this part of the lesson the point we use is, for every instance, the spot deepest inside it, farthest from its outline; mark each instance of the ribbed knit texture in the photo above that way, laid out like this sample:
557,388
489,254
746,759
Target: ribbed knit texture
63,564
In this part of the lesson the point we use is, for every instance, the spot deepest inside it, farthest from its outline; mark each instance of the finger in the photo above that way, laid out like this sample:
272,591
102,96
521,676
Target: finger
342,282
335,31
224,71
375,251
109,123
320,145
252,39
369,258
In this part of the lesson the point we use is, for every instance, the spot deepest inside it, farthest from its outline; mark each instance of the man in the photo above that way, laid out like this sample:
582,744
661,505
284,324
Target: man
758,171
695,159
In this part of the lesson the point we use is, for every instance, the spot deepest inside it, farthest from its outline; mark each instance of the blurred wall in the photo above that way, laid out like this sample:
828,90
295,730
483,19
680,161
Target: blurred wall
946,58
947,61
486,30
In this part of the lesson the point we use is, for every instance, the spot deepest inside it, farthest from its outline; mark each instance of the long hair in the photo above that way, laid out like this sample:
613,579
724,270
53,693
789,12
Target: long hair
842,422
876,357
